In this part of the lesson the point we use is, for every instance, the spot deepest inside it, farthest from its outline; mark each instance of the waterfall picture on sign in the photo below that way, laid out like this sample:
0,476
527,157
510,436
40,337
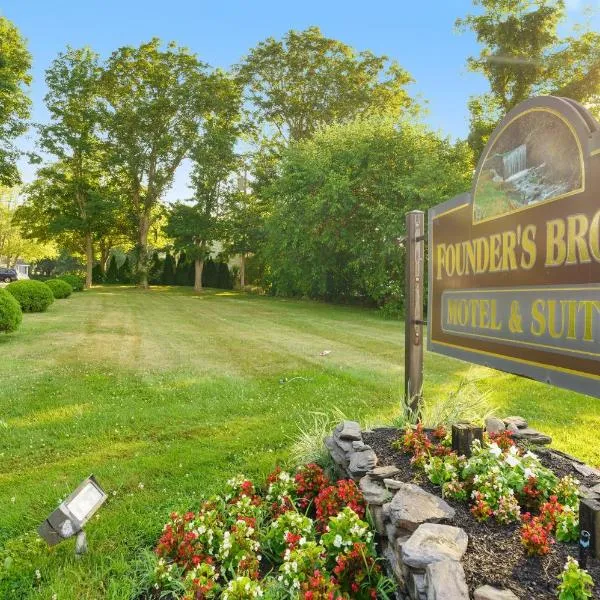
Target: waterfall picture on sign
535,158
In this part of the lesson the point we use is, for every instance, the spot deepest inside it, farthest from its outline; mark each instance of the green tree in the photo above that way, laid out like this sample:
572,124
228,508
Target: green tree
523,55
124,273
339,207
306,80
112,273
13,243
15,62
156,99
168,274
195,227
72,195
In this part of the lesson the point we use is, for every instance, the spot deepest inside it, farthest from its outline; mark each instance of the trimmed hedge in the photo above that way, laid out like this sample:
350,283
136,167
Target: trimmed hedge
11,314
33,296
60,288
76,282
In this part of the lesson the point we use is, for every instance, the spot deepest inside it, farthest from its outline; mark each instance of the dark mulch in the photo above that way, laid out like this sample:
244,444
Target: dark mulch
495,555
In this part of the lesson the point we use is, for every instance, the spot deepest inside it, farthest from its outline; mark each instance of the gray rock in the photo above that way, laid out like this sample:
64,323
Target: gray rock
512,428
586,470
532,436
385,511
586,492
361,462
393,484
493,425
487,592
338,455
382,473
412,506
373,491
445,580
433,542
377,514
359,446
517,421
394,563
348,430
596,489
417,588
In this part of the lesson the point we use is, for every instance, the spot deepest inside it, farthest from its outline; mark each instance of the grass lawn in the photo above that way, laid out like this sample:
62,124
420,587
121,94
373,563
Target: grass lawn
165,394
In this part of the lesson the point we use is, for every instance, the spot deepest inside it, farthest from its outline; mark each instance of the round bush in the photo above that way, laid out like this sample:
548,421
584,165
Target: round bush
76,282
60,289
33,296
10,312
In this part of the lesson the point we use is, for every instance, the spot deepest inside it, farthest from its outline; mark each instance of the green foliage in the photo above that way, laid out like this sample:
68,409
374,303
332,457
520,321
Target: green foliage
75,281
112,273
340,202
576,583
60,288
10,312
33,296
168,274
523,56
97,275
306,80
156,100
156,270
124,273
15,62
184,274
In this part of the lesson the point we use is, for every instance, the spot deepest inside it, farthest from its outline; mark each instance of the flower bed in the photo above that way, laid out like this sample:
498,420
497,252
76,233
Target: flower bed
520,516
301,536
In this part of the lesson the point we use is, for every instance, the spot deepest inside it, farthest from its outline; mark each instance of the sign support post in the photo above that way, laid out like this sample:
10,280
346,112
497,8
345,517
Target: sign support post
413,328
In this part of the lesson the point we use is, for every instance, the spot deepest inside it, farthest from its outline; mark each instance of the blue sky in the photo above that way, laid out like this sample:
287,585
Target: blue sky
419,35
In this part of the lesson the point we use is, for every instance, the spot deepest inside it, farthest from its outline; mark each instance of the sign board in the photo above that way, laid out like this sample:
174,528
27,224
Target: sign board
514,265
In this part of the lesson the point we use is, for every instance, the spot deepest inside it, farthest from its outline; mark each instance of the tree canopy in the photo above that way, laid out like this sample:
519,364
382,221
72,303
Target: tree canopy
15,62
523,55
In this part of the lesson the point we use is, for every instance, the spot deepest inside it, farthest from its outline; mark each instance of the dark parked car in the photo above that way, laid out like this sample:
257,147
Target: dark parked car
8,275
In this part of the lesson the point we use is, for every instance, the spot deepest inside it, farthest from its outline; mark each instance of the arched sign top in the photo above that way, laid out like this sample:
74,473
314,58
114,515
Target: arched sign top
536,155
514,267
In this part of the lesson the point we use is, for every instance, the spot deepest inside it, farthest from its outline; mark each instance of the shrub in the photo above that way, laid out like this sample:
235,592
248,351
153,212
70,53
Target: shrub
75,281
33,296
60,289
576,583
10,312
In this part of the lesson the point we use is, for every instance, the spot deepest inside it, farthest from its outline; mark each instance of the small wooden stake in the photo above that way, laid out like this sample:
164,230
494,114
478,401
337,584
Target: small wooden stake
463,435
589,520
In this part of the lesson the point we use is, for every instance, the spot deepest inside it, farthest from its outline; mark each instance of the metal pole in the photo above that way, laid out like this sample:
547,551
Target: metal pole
413,329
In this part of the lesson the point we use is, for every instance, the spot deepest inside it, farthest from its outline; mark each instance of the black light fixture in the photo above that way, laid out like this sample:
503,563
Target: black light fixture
584,548
72,514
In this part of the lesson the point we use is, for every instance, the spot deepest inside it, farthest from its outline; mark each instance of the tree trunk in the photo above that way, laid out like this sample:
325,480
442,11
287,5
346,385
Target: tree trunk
199,267
142,263
243,270
89,260
104,251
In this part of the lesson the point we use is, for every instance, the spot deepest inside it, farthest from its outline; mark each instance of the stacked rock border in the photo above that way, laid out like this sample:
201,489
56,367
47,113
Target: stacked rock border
421,546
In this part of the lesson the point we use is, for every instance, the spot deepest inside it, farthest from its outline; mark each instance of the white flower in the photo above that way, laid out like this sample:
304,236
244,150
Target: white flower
511,460
528,473
495,449
38,575
337,542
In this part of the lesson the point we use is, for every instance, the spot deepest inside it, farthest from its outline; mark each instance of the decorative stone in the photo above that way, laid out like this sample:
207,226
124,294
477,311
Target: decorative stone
412,506
518,422
338,455
385,511
487,592
394,563
586,492
359,446
493,425
373,491
417,588
445,580
433,542
382,473
348,430
586,470
393,484
361,462
532,436
378,521
512,428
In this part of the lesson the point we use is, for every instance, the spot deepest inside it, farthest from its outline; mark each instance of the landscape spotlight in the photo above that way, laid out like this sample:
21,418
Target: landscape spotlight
72,514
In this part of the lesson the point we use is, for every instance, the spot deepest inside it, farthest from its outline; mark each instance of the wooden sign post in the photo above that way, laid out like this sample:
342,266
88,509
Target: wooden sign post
413,329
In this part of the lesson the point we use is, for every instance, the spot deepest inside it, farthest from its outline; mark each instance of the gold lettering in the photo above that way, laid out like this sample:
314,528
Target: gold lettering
538,326
577,228
556,248
495,249
529,247
509,257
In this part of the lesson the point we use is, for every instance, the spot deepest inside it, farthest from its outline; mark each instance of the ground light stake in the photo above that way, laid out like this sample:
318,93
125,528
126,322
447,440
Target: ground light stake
72,514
